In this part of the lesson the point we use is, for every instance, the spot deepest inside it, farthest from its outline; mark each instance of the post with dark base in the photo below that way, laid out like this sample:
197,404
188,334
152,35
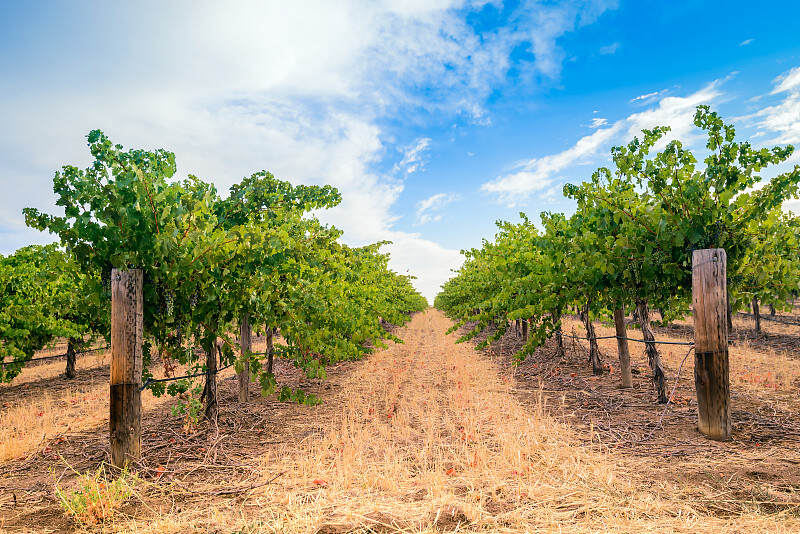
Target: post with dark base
125,419
710,305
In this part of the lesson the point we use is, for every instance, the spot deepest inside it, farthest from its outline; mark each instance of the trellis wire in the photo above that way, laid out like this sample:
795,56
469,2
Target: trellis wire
655,342
56,356
174,378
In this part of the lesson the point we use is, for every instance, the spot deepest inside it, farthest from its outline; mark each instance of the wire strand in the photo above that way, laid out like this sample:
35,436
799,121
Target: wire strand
55,356
655,342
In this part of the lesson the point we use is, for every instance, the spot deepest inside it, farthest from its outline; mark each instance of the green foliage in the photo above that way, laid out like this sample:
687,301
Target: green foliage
631,238
44,295
210,260
97,497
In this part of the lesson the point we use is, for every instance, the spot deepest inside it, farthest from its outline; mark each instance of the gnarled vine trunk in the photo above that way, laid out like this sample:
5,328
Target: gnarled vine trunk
525,330
70,370
556,316
270,349
594,351
622,348
653,357
757,316
245,342
210,390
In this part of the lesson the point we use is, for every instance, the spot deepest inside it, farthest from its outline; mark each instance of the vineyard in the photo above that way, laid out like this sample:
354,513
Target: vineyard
186,360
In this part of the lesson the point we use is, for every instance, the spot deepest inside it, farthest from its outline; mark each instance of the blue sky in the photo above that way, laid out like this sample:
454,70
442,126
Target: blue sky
434,118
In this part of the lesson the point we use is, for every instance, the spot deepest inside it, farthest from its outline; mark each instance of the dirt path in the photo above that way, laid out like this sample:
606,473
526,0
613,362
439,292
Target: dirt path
424,436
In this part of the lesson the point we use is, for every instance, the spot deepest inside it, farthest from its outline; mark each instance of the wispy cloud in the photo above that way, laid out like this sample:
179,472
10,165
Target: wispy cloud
429,210
414,156
782,120
540,174
597,122
537,174
308,99
647,97
787,81
746,42
609,49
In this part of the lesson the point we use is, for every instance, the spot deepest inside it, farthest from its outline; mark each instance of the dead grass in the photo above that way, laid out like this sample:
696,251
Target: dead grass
35,412
430,436
427,436
752,367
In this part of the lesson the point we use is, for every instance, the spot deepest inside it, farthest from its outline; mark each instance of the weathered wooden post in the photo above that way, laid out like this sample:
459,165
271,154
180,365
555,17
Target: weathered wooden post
125,420
710,305
622,348
245,342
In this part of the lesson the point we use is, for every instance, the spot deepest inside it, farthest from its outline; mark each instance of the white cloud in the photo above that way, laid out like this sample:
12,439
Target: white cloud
413,156
675,112
642,99
746,42
609,49
300,89
597,122
430,261
429,209
542,24
787,81
537,174
782,120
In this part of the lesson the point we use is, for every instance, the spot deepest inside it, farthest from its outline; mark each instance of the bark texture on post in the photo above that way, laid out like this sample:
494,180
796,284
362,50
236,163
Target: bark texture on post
653,357
125,418
594,351
709,299
210,390
622,348
69,372
245,341
757,316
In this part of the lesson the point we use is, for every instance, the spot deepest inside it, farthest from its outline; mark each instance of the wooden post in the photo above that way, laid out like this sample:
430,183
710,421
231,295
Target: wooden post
125,420
246,347
525,330
622,348
709,300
